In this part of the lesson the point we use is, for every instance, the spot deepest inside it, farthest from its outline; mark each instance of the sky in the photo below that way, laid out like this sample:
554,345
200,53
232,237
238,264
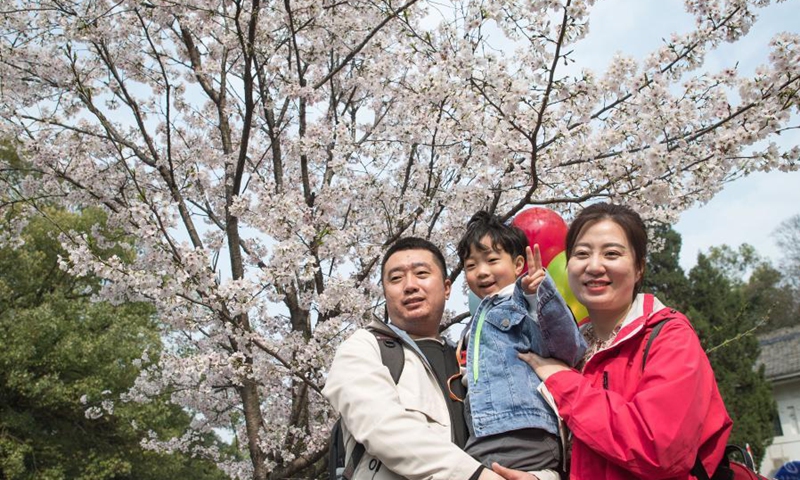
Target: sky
746,211
749,209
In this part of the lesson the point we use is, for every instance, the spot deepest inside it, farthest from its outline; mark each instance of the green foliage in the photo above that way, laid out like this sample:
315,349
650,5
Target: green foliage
664,276
726,321
61,354
8,153
729,296
767,292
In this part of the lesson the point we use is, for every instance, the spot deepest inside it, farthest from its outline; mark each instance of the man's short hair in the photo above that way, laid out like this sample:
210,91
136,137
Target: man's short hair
509,238
415,243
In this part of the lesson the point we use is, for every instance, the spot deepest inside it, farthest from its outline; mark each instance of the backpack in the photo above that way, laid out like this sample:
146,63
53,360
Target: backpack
727,468
339,468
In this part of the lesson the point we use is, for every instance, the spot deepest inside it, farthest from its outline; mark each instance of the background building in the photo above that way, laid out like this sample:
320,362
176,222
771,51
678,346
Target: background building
780,354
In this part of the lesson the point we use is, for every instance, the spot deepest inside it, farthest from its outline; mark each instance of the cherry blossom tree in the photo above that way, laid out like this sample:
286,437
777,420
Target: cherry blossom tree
264,154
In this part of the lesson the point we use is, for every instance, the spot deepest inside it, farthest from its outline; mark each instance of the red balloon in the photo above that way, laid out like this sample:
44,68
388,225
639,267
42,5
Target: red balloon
545,227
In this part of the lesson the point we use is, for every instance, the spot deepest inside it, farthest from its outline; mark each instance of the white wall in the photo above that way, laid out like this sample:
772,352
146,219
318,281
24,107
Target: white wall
786,447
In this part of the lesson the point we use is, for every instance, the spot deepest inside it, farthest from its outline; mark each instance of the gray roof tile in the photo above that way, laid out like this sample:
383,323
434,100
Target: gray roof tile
780,352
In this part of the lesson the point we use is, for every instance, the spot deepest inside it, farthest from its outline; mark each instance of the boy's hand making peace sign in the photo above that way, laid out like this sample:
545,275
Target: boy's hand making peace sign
536,272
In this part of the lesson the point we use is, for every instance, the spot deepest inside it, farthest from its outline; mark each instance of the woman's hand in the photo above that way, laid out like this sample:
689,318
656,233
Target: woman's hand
544,367
510,474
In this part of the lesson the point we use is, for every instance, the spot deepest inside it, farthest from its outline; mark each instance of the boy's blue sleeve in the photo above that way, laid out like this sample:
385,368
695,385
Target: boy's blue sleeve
560,334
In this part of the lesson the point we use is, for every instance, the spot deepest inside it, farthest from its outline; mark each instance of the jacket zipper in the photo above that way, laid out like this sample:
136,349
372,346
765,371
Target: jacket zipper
476,348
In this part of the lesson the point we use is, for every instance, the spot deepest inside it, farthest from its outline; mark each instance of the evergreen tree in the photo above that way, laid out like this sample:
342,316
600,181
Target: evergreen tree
768,292
726,311
726,320
65,360
663,275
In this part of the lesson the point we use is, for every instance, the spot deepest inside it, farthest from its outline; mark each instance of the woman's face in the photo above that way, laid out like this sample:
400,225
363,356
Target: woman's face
602,270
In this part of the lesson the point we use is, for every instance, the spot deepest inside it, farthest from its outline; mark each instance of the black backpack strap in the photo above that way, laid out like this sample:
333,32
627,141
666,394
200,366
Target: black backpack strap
653,334
723,470
747,460
698,470
355,458
392,354
393,357
335,449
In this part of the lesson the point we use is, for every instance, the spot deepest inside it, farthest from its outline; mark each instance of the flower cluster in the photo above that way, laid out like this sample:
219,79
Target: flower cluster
262,160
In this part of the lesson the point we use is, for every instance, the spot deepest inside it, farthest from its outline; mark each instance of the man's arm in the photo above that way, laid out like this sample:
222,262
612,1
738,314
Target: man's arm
403,434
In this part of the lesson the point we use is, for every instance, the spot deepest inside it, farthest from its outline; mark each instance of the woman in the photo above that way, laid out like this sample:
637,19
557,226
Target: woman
630,420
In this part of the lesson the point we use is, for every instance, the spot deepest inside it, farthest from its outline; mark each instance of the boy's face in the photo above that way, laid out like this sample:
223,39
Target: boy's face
489,270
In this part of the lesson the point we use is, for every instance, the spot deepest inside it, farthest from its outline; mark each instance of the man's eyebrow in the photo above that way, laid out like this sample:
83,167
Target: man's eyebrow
402,268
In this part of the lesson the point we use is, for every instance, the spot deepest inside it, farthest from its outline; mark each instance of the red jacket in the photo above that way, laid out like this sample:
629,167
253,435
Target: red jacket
651,424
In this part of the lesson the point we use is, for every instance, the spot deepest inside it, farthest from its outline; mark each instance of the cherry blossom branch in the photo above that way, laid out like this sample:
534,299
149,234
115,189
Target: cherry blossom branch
349,57
548,89
286,364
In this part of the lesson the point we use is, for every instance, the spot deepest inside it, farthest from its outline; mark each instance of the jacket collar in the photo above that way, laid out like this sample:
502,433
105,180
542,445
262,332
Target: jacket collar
644,307
506,291
511,291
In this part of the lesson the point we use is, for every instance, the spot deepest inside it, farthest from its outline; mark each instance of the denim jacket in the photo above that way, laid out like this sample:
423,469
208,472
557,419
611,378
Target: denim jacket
502,388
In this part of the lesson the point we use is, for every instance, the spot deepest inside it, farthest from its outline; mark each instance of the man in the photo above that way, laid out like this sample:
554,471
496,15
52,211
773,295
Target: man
411,429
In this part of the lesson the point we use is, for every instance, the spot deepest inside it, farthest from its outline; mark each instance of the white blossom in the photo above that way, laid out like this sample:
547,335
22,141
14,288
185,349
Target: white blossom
255,195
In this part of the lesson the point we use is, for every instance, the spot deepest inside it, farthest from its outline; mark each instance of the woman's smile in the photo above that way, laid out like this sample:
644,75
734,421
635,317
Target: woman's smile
603,272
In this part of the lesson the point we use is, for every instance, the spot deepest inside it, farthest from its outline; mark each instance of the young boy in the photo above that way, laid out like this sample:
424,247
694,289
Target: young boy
509,421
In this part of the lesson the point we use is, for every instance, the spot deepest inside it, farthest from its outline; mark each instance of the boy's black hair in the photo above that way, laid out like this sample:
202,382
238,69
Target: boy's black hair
506,237
415,243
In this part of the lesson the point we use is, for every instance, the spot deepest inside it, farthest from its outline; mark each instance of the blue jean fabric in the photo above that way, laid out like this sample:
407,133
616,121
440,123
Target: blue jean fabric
502,391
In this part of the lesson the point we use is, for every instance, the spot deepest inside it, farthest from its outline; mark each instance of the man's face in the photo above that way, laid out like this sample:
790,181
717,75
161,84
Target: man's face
415,291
